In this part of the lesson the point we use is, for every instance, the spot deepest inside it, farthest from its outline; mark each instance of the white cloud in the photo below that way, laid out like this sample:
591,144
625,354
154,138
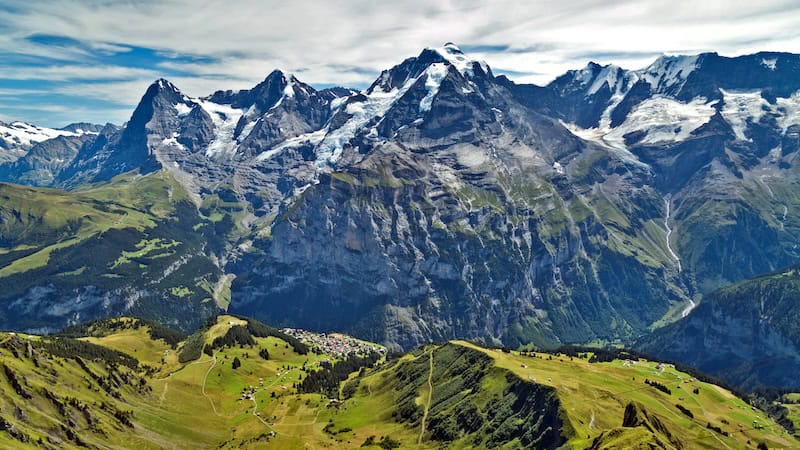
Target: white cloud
322,41
75,72
318,33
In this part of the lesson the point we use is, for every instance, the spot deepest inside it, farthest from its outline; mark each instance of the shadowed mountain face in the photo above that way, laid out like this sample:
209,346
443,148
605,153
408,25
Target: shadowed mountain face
446,202
746,334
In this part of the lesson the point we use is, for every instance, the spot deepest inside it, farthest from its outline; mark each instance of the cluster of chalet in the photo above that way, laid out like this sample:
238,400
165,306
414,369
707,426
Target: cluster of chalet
335,344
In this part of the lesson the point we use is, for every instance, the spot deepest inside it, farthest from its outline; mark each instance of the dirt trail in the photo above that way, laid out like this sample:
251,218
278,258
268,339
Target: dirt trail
204,386
164,393
255,404
430,395
255,414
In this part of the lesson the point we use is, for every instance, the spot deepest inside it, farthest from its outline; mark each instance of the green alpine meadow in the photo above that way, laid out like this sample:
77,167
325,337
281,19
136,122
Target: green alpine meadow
237,383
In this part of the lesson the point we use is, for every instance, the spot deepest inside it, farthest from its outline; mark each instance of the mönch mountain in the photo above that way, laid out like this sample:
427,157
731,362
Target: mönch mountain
444,201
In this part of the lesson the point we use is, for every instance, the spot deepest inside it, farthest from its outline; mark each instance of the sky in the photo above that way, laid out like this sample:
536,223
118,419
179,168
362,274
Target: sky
64,61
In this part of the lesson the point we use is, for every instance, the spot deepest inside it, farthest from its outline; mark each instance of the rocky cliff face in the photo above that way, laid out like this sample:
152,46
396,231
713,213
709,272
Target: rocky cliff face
466,214
484,216
446,202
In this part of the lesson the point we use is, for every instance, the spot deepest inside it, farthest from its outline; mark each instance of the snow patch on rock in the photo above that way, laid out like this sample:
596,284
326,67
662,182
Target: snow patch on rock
664,120
459,60
312,138
770,63
376,104
609,75
182,109
225,119
669,72
789,110
433,79
742,107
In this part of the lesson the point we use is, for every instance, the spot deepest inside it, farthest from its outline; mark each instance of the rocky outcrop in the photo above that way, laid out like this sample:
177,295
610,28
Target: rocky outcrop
640,429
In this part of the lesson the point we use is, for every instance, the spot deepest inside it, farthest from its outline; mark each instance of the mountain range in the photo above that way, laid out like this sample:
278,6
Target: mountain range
441,202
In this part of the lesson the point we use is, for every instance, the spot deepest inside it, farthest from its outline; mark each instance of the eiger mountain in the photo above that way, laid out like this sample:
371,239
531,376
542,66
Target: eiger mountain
441,202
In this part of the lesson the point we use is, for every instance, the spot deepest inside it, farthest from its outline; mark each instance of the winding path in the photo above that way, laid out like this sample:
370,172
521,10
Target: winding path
164,393
255,414
204,386
430,395
255,404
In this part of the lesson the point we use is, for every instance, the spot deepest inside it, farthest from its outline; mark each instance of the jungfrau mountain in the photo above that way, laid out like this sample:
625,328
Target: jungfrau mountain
441,202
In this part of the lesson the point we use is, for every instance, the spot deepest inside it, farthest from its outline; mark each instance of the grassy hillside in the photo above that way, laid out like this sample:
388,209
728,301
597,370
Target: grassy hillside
596,396
119,383
792,404
134,245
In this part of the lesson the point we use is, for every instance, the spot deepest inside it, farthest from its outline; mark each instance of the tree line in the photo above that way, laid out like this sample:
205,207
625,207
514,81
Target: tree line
326,380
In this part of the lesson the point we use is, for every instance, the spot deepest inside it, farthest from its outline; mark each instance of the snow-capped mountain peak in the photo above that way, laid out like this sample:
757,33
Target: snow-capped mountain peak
595,77
412,68
16,138
465,65
163,83
668,74
163,91
412,86
291,84
268,94
280,78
